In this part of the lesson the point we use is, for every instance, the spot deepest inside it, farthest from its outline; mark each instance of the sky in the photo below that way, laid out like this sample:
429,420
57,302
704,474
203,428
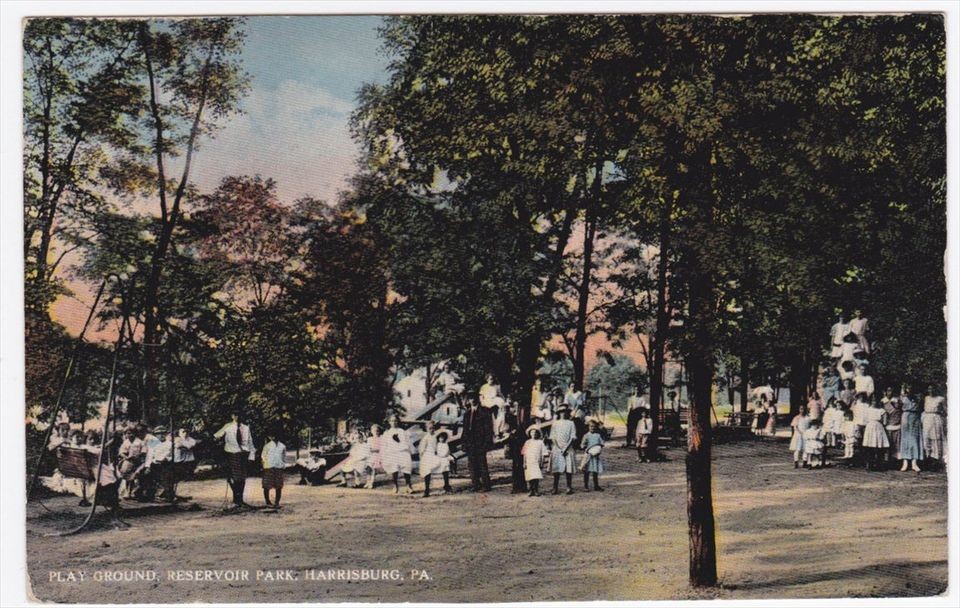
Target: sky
305,73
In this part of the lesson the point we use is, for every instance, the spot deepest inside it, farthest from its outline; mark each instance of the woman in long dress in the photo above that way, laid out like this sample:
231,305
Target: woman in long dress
934,430
911,442
395,453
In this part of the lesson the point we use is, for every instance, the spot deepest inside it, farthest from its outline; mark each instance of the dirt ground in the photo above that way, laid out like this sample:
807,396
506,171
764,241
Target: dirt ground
782,533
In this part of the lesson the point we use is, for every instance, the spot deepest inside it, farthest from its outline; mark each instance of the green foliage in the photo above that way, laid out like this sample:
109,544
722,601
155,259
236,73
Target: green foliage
616,380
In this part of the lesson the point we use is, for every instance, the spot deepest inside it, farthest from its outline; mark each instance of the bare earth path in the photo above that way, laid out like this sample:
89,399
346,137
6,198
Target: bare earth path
782,533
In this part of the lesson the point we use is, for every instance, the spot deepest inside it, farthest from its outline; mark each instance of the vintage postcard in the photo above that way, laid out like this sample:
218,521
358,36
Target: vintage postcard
484,307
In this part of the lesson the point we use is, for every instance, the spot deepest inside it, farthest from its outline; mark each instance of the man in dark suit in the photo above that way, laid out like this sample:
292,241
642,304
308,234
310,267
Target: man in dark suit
515,437
477,440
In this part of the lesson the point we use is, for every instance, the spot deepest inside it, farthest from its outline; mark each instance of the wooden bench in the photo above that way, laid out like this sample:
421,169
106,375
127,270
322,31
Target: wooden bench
77,463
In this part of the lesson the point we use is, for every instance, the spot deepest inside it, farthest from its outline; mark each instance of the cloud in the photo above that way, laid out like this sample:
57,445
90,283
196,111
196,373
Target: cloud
297,134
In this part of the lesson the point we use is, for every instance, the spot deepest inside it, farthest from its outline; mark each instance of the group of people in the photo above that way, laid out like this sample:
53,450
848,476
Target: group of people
874,432
869,430
391,452
531,451
138,463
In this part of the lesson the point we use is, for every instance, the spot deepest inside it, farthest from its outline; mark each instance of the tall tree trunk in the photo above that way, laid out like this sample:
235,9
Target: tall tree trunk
697,259
169,217
583,301
659,343
700,516
799,382
744,383
730,388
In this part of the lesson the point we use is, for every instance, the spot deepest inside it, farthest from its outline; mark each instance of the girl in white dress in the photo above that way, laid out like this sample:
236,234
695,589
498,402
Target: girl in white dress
851,434
429,463
832,421
813,445
534,453
875,441
356,462
445,459
395,453
798,426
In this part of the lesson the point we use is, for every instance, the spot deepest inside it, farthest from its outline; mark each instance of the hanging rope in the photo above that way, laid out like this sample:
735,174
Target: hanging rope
111,398
63,386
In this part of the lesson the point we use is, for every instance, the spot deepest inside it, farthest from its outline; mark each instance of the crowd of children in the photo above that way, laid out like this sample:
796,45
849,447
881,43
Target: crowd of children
875,433
865,429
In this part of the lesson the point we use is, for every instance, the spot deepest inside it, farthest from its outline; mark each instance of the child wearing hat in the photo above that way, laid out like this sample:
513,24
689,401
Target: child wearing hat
273,457
534,452
592,444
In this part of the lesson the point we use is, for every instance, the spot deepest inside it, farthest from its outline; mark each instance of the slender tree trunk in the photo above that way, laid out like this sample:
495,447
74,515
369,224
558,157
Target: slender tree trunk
730,388
744,383
169,217
659,342
583,301
800,378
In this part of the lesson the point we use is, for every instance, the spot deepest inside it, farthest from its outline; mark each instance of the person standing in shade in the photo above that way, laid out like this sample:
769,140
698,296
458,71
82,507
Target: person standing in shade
875,440
644,433
515,439
858,327
891,405
477,440
563,458
239,449
831,385
933,427
635,405
770,428
863,382
911,442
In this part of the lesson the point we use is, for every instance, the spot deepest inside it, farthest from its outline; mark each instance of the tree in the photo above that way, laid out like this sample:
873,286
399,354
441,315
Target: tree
79,86
194,80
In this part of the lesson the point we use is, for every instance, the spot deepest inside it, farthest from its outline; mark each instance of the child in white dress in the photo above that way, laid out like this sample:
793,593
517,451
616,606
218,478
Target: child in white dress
813,445
851,433
445,459
798,426
356,462
534,453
